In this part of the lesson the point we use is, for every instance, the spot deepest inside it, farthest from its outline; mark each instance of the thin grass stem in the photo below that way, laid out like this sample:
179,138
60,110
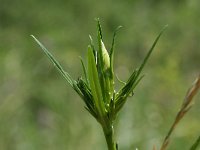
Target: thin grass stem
187,104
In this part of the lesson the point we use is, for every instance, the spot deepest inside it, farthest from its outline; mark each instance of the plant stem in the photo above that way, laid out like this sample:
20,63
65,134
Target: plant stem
109,135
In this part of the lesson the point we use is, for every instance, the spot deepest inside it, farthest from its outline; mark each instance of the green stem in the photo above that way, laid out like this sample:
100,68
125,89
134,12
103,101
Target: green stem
109,135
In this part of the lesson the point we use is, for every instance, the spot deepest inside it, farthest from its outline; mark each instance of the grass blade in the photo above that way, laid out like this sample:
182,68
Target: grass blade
56,63
150,51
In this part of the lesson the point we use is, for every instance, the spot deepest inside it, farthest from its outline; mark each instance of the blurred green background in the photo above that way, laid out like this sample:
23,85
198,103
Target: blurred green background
39,111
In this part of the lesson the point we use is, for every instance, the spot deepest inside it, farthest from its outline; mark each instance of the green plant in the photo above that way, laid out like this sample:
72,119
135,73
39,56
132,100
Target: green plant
96,86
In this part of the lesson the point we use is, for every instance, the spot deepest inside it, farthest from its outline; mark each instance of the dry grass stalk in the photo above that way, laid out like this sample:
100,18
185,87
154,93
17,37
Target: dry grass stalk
187,104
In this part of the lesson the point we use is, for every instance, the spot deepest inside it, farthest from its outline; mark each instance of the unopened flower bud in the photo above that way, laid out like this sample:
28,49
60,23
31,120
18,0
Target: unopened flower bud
106,58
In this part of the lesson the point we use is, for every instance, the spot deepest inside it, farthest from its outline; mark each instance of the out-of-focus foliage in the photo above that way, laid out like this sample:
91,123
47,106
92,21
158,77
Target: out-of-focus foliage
38,111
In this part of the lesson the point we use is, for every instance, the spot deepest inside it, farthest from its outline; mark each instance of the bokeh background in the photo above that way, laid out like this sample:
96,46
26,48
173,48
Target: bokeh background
39,110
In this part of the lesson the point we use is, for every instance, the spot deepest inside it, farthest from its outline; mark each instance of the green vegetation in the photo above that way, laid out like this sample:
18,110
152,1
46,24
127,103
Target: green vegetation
97,89
38,112
98,93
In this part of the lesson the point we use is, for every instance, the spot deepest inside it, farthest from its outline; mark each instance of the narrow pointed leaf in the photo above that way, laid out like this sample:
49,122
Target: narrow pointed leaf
151,50
92,45
84,71
99,29
100,64
133,80
112,51
94,83
56,63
